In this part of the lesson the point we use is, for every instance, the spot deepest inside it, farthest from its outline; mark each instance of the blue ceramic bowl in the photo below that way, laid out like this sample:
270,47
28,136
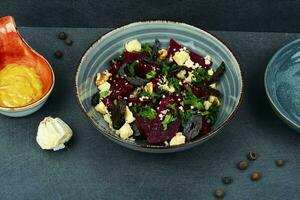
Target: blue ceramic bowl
282,78
111,45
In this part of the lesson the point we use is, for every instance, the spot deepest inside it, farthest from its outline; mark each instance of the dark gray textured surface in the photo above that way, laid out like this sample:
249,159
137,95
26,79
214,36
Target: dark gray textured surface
94,168
242,15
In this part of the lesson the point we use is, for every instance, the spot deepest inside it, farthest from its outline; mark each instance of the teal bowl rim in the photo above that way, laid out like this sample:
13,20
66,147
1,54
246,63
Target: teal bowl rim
283,116
155,147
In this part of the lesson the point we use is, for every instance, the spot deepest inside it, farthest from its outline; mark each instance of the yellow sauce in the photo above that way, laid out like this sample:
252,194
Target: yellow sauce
20,85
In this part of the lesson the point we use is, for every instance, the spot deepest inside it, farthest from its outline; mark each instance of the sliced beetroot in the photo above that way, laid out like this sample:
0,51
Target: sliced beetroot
115,66
199,59
166,101
121,87
152,130
143,68
199,92
144,125
130,57
173,47
205,127
157,135
109,103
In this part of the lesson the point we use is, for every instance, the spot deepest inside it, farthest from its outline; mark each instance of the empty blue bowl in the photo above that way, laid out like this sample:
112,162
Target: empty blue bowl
282,83
110,45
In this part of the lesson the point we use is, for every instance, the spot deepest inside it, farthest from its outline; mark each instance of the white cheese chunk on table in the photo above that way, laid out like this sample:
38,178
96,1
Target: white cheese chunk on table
53,133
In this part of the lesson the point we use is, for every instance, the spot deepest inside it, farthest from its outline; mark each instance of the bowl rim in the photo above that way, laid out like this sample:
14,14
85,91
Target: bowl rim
43,97
148,146
275,107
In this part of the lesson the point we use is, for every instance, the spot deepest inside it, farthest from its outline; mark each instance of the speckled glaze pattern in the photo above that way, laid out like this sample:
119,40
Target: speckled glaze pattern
111,45
282,78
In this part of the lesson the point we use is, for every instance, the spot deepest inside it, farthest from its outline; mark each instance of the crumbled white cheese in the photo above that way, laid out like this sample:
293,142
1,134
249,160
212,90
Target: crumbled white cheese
104,86
189,63
190,78
149,88
100,107
53,133
129,118
181,57
181,108
167,88
133,45
181,74
125,131
108,119
207,105
178,139
143,98
207,59
162,53
214,86
210,72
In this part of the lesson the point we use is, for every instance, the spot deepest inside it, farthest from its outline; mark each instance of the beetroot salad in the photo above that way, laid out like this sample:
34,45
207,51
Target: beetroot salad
164,96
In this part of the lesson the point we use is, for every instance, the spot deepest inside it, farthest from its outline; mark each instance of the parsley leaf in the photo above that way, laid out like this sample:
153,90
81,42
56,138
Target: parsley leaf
151,74
147,48
147,112
193,100
165,68
175,83
172,106
104,94
186,115
211,114
167,120
200,75
130,69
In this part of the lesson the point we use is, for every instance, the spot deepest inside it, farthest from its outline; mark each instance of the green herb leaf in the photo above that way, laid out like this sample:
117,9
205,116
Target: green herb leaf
143,93
167,120
200,75
135,108
151,74
104,94
175,83
212,114
147,112
172,106
186,115
165,68
147,48
130,69
193,100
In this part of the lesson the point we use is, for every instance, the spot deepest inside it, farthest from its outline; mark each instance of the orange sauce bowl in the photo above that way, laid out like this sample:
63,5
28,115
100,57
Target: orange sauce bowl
14,50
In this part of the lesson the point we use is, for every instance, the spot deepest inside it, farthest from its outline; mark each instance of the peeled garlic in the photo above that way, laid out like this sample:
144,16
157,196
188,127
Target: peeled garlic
53,133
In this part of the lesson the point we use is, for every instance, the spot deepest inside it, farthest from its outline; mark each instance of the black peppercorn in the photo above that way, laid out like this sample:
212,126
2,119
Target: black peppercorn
62,35
279,162
255,176
219,193
242,165
58,54
227,180
251,155
68,41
